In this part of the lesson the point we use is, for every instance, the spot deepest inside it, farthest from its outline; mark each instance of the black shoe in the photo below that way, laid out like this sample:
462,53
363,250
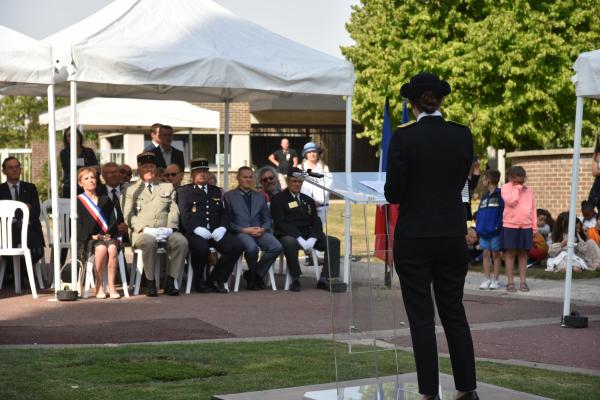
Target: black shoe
170,288
323,285
295,287
218,287
202,287
151,289
472,395
260,283
250,281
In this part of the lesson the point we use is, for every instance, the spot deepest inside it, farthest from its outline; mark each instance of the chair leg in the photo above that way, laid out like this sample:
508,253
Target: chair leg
89,277
38,272
2,268
281,264
122,272
53,280
315,259
29,266
140,271
272,278
17,272
190,276
238,274
288,280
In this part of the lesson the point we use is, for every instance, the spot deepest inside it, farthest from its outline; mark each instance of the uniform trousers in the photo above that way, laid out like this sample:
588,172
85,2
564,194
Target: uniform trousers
332,255
443,263
230,249
177,251
252,245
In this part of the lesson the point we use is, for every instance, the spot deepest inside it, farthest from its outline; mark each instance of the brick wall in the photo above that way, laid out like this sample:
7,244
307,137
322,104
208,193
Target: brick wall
549,174
239,115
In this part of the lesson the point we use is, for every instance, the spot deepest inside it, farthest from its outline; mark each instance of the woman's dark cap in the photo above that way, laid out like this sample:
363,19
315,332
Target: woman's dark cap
423,82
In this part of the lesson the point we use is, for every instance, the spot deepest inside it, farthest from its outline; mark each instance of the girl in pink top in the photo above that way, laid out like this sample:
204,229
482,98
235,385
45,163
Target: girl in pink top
519,222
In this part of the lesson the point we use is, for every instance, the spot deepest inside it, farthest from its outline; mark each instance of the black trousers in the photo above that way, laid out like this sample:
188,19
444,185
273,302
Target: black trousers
331,265
230,248
443,262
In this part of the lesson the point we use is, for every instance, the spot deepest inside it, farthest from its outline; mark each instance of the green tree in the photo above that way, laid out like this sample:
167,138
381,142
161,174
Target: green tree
509,63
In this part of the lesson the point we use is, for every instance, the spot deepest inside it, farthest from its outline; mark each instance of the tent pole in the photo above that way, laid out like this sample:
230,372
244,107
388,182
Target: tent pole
191,149
73,181
572,208
226,148
217,159
53,185
347,205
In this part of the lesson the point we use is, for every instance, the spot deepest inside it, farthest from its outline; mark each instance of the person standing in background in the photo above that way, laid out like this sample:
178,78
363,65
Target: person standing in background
85,158
283,159
312,160
154,140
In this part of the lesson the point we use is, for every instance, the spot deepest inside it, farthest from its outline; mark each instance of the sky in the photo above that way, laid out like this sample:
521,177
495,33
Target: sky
319,24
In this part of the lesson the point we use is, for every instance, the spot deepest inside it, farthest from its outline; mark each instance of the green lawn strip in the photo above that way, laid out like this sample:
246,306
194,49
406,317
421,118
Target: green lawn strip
197,371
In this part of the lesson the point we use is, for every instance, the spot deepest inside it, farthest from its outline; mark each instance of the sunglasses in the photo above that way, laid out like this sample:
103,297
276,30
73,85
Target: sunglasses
171,175
268,178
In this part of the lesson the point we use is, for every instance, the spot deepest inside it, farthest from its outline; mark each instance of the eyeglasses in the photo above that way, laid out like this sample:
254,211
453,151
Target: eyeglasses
268,178
171,175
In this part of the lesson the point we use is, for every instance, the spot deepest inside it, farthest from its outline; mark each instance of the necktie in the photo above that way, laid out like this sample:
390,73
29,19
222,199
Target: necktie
203,187
248,200
15,192
117,204
150,187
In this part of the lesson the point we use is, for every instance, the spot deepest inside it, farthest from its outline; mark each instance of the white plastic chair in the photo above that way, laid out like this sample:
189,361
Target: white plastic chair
136,275
238,274
190,274
7,212
64,226
288,276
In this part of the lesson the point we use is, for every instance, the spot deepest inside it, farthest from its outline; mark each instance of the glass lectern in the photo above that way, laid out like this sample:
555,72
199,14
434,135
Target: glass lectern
367,318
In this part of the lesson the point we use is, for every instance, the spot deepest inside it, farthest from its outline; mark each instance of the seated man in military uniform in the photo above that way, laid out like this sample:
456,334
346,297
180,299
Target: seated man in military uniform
205,223
298,226
151,212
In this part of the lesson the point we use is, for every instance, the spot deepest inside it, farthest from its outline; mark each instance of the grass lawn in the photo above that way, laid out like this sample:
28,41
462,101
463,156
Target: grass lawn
197,371
336,224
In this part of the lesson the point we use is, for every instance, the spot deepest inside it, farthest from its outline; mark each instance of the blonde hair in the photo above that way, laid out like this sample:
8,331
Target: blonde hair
84,171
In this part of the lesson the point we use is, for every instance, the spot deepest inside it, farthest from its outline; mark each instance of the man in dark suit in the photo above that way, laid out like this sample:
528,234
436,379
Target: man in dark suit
154,140
205,223
250,220
15,189
165,153
429,245
297,225
114,189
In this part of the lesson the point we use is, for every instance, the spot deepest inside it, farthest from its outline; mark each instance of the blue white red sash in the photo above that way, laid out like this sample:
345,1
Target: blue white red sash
94,211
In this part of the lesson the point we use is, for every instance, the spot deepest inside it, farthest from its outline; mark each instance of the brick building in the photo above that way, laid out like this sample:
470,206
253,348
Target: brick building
549,174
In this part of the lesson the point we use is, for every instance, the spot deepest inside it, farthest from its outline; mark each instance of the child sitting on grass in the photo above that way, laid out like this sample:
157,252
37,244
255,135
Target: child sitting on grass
589,220
488,226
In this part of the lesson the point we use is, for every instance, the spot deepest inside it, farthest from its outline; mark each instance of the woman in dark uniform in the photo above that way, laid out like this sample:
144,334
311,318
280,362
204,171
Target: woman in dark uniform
428,164
97,232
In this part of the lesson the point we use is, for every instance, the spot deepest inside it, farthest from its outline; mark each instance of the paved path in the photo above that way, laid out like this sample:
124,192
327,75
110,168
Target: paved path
521,326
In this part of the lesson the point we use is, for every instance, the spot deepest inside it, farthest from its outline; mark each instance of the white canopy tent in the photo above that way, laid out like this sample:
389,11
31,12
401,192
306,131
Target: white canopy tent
203,53
26,67
587,84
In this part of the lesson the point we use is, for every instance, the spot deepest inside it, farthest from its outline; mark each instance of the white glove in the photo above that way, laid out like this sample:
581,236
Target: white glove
202,232
311,243
303,243
218,233
165,232
152,231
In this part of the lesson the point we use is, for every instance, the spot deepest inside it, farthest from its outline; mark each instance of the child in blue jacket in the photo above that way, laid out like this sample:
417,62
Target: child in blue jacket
488,226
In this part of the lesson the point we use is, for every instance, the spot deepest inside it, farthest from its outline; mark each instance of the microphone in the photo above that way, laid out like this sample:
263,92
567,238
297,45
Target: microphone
309,172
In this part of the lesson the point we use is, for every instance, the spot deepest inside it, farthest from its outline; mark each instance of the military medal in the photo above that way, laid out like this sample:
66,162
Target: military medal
194,209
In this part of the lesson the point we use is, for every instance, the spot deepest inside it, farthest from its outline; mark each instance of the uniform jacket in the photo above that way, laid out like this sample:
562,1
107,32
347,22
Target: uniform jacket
154,210
238,211
28,194
176,158
198,208
428,165
293,219
87,225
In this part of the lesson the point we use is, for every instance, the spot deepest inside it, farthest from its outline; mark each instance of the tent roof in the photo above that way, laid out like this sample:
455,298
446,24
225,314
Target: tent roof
201,52
23,59
135,114
587,78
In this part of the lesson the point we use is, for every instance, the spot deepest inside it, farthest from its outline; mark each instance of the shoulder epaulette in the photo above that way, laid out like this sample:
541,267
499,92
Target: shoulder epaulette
409,123
456,123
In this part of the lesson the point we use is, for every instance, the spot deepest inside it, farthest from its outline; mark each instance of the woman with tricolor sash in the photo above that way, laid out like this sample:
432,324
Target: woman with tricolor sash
97,232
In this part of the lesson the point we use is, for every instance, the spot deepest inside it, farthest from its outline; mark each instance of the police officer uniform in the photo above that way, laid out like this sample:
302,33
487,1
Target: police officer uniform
429,240
295,215
202,206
